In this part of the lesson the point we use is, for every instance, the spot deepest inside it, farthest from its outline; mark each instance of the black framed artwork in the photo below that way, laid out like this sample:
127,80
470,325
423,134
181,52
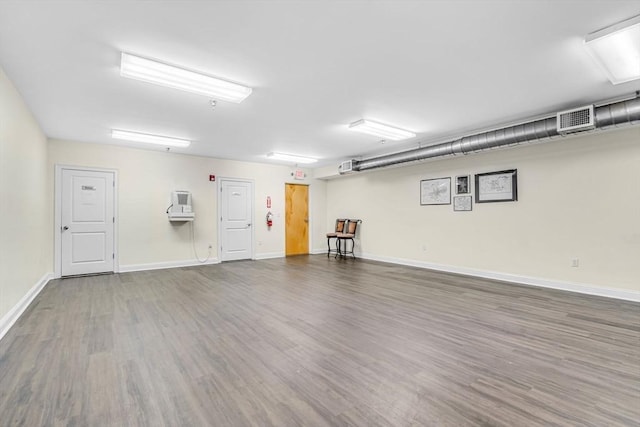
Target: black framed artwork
463,184
462,203
435,191
501,186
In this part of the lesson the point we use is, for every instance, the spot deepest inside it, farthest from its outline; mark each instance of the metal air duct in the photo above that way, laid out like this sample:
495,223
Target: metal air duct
614,114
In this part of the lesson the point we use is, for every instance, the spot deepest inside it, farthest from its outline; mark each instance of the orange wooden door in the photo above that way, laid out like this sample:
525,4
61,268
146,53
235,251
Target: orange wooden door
297,219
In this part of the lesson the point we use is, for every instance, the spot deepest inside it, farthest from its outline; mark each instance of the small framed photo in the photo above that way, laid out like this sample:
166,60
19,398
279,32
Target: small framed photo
462,203
499,186
462,184
435,191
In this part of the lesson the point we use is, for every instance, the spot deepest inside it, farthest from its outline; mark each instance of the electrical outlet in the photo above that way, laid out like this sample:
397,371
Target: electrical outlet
575,262
210,246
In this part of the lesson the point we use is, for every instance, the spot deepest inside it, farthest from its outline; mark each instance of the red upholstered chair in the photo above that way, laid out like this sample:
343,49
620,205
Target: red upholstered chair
334,235
348,234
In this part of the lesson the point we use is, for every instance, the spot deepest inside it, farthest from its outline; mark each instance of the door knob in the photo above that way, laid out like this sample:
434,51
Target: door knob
249,225
65,228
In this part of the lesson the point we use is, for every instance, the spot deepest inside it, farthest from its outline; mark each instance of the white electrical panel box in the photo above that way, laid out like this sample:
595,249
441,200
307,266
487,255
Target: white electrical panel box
181,209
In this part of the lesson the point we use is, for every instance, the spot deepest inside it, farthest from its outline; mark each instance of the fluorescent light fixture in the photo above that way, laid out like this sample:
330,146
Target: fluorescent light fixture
381,130
617,50
291,158
135,67
149,139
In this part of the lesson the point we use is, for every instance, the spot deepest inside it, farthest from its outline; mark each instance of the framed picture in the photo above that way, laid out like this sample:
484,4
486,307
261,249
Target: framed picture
435,191
499,186
462,184
462,203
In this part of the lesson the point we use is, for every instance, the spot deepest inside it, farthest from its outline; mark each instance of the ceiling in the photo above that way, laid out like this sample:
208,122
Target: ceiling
438,68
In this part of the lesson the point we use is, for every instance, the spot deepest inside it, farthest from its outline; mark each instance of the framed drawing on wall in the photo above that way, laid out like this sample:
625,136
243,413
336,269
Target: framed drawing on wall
499,186
462,203
435,191
462,184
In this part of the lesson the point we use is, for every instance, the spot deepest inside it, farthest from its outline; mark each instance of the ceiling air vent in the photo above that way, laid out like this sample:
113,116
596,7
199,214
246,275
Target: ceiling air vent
345,167
576,120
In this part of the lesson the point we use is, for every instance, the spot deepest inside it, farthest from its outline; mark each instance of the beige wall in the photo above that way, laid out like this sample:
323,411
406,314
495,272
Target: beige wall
25,236
579,197
146,179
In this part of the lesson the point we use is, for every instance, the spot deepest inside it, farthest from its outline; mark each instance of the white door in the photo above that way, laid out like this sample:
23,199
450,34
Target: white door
87,222
236,202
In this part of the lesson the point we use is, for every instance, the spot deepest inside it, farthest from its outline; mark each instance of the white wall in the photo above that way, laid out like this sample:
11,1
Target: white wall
25,218
146,179
578,197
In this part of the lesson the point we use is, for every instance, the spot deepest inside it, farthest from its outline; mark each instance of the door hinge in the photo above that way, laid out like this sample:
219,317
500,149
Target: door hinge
113,256
114,219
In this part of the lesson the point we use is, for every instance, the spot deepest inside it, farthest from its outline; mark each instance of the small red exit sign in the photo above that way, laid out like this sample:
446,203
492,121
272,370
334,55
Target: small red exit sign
212,177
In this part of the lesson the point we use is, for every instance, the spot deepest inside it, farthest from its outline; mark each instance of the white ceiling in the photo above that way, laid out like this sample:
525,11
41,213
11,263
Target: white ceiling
438,68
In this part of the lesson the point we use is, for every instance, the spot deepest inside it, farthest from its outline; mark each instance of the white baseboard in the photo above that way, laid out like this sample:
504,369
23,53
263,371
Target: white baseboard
622,294
9,319
166,264
318,251
269,255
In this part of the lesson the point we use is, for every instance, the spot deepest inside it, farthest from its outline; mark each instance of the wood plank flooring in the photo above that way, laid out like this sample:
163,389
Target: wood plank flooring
314,341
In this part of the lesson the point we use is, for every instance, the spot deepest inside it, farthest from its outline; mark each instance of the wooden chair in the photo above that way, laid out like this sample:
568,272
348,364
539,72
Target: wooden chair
348,234
334,235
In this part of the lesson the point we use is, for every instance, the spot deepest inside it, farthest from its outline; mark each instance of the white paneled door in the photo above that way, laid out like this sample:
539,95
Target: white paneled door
236,213
87,222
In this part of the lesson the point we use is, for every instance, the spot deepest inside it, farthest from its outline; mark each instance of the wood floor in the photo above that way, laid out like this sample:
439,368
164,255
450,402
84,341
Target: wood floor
314,341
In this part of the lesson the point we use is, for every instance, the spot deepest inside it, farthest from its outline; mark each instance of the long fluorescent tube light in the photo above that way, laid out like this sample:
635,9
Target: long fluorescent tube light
291,158
135,67
378,129
617,50
149,139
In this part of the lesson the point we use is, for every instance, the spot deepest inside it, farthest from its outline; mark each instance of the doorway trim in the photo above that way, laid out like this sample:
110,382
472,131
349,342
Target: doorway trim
312,190
309,216
57,221
219,181
312,198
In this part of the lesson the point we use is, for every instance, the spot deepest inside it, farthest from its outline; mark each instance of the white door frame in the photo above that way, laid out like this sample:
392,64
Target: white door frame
309,233
57,226
310,224
253,213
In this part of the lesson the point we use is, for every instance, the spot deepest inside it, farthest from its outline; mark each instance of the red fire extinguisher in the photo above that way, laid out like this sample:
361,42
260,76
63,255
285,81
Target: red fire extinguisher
269,219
